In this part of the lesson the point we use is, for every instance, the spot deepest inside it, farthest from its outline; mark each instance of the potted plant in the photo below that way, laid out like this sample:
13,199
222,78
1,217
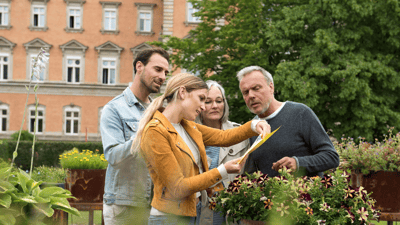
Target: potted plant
376,167
86,175
287,199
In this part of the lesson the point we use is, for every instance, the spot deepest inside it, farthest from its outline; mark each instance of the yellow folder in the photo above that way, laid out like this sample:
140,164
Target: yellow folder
257,144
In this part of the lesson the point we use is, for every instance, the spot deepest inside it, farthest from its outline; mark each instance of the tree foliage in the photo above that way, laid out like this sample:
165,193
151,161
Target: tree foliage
339,57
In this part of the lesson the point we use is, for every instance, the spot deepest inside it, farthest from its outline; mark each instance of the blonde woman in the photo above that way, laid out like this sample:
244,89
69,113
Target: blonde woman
173,148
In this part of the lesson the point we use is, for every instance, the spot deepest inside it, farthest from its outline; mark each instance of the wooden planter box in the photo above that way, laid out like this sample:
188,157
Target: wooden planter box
86,185
384,187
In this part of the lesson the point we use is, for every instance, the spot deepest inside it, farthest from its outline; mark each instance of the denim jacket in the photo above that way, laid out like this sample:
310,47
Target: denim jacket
127,179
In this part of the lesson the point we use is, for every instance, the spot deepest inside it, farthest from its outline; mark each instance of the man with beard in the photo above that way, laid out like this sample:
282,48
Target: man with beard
301,143
128,184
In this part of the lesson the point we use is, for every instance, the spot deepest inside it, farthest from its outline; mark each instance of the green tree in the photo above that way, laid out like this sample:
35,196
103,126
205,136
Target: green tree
341,58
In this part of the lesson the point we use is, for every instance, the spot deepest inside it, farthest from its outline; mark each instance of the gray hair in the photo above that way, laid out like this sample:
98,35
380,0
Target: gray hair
225,116
243,72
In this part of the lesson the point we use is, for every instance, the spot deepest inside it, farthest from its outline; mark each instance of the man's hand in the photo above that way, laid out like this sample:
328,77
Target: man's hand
288,162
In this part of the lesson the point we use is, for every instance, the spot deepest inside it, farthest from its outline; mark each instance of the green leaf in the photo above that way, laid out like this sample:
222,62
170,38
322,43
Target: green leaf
23,197
63,204
7,217
51,191
44,208
4,172
5,200
6,186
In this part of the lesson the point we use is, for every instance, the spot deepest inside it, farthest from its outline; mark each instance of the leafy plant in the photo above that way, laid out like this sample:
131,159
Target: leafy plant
86,159
25,136
49,174
23,202
367,157
287,199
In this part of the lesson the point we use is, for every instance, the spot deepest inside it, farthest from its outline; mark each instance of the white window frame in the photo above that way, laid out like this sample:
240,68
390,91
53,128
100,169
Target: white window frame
108,27
41,24
2,63
145,8
146,21
73,70
109,67
39,117
110,7
190,19
73,119
75,16
43,72
2,117
4,15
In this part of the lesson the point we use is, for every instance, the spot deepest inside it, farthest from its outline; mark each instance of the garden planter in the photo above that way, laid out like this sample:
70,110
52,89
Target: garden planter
384,187
86,185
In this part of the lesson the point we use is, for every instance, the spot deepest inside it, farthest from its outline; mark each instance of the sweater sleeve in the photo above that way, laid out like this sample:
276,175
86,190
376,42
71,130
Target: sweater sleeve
324,155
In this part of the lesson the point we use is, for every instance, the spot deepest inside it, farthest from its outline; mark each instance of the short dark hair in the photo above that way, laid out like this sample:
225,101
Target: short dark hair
145,55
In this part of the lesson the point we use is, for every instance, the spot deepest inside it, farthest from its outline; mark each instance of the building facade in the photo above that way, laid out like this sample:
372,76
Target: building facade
92,45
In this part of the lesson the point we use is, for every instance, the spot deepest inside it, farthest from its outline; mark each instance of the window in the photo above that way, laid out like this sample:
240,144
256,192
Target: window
4,13
110,17
38,15
190,17
145,18
73,70
109,67
40,119
4,61
74,18
36,76
72,118
3,118
145,21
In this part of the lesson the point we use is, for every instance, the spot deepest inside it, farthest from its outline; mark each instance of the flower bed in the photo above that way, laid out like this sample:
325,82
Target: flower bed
286,199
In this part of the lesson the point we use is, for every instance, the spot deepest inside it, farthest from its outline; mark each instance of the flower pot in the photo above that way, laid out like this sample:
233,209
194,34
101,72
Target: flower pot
384,187
86,185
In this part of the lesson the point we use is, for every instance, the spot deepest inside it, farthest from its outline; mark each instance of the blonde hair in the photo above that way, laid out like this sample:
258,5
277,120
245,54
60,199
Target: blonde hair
189,81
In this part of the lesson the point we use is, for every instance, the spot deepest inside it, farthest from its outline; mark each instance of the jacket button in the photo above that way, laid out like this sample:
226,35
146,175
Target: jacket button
231,151
217,179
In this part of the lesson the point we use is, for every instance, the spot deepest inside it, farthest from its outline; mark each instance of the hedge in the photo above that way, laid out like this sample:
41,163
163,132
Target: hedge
46,152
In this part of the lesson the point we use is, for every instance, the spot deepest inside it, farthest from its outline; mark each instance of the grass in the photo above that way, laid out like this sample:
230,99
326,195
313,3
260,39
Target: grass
84,219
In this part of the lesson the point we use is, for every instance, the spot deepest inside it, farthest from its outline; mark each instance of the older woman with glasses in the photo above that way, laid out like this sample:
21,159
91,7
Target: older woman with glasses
216,115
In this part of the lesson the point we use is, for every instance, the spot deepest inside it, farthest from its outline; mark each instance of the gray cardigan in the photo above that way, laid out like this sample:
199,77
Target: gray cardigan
301,135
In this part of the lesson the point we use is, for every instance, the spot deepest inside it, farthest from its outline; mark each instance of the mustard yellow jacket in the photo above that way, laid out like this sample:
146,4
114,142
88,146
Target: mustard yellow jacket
171,163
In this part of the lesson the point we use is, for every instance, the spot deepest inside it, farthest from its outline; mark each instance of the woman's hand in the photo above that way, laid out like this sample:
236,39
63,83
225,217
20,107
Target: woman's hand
233,166
263,128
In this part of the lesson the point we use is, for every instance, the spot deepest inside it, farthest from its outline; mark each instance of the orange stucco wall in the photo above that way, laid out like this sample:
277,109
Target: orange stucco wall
54,110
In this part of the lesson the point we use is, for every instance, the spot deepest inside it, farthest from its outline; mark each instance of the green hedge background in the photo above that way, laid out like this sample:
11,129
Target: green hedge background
46,152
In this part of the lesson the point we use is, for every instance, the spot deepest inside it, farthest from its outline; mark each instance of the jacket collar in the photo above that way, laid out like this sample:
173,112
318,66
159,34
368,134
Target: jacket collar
130,98
191,129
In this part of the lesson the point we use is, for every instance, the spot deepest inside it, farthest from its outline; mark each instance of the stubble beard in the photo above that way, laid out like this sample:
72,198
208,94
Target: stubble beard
148,87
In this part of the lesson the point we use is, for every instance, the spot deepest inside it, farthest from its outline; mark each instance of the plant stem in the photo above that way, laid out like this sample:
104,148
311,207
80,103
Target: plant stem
34,130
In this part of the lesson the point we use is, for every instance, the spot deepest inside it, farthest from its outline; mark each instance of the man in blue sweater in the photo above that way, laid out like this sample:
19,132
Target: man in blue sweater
301,144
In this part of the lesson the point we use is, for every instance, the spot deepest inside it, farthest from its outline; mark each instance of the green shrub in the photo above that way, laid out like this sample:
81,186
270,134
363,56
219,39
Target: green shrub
86,159
25,136
46,152
49,174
